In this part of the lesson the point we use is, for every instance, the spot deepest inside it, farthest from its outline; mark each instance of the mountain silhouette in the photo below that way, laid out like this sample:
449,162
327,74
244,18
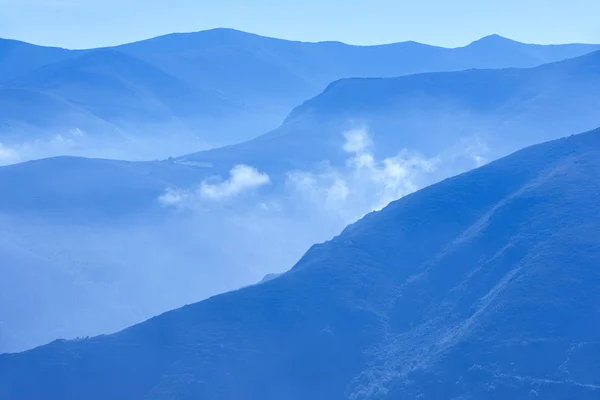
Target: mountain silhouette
90,188
111,96
429,113
292,71
18,58
55,206
206,89
484,285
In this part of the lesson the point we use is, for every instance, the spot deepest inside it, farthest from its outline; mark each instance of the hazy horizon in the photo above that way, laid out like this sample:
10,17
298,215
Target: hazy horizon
475,39
52,23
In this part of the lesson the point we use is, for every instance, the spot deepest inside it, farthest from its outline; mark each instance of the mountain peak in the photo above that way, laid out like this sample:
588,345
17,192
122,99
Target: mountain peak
493,40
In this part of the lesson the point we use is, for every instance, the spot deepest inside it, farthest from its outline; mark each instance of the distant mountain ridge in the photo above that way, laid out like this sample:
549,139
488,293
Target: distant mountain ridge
18,58
136,88
482,285
317,64
429,113
254,81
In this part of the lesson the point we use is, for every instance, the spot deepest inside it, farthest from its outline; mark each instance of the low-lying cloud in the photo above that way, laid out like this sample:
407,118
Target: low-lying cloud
108,145
242,179
364,183
64,143
8,155
345,192
357,141
329,197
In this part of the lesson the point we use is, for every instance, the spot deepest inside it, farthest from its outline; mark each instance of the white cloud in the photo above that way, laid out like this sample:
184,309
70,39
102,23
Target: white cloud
330,196
365,184
8,155
241,178
344,193
479,160
65,143
327,190
357,141
173,197
338,191
472,149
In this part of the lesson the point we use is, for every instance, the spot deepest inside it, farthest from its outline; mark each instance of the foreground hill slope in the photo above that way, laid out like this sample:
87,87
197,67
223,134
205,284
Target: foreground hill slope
482,286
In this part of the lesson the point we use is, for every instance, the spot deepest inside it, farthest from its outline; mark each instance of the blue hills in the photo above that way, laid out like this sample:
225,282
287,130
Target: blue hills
503,109
483,285
99,215
90,189
293,71
203,89
111,99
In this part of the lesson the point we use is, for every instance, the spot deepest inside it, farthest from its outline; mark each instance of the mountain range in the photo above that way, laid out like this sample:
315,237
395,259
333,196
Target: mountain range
168,95
499,110
484,285
85,224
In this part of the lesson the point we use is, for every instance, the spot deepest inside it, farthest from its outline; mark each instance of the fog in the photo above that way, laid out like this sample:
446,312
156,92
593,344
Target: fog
132,140
87,277
76,142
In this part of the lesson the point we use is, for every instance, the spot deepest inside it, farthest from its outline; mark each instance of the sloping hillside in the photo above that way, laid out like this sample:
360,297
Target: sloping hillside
19,58
484,285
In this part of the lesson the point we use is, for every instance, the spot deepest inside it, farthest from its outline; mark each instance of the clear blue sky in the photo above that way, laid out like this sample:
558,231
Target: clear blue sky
90,23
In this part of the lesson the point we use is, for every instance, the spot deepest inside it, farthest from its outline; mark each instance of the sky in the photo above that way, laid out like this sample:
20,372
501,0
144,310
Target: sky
451,23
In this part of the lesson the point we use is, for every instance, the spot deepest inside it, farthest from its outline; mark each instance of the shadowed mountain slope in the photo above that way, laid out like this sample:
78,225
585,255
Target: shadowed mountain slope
484,285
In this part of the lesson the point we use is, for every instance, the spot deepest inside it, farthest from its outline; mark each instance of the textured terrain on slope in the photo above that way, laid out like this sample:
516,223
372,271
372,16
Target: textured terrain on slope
482,286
